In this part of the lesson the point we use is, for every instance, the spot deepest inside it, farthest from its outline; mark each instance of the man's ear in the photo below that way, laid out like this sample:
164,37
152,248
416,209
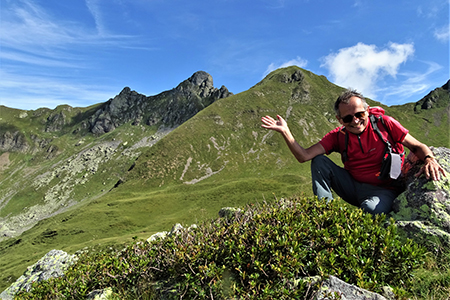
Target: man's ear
340,120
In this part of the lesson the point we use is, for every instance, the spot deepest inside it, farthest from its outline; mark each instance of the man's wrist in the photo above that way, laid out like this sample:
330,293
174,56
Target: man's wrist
429,156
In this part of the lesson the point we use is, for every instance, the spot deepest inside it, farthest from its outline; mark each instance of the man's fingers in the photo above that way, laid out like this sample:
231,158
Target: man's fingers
431,172
267,120
423,170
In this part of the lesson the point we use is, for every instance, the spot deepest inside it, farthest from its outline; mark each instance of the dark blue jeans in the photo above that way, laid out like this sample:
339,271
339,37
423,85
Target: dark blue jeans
326,175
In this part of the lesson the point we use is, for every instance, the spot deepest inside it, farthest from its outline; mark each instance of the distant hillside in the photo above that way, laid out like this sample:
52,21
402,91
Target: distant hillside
225,140
135,165
428,119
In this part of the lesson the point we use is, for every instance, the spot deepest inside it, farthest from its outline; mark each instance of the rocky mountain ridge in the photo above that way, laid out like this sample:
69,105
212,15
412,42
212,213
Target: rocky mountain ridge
435,98
76,144
170,108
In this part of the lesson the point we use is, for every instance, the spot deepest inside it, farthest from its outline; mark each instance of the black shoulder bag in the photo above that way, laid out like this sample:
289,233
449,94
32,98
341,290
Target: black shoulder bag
391,166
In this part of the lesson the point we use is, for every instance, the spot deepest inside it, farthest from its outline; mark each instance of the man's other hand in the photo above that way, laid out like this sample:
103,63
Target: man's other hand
431,169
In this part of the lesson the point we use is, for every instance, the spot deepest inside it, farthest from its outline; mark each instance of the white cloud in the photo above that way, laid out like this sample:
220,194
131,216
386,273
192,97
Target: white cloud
25,24
358,3
417,77
363,66
37,60
433,9
416,82
94,9
29,28
443,33
299,62
39,91
46,57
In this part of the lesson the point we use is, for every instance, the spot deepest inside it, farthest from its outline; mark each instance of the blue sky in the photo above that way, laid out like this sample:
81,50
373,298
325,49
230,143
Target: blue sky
82,52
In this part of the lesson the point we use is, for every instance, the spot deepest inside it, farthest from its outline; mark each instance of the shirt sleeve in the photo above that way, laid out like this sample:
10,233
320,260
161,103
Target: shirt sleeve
330,142
397,131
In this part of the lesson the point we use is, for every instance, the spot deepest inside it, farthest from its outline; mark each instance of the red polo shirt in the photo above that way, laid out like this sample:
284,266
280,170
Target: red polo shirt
365,150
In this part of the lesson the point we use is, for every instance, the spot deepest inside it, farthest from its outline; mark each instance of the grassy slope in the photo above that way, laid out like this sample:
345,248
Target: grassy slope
252,164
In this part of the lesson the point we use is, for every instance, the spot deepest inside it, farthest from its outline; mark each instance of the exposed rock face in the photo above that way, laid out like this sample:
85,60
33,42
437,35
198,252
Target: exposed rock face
171,108
13,141
436,98
423,210
52,265
297,76
55,122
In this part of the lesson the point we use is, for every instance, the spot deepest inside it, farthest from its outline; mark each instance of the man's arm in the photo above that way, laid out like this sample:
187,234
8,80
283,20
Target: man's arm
300,153
431,168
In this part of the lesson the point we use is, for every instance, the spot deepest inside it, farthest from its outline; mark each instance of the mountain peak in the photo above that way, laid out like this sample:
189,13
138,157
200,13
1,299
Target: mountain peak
126,90
438,97
201,78
171,108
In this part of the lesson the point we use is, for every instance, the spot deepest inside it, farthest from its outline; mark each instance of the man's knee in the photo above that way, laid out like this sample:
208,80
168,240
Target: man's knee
319,159
319,162
377,206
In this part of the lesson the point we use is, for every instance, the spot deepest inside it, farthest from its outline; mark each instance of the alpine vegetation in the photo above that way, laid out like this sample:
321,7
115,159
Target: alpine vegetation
265,251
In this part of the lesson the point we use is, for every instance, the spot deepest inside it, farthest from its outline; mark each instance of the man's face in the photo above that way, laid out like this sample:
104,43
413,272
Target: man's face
354,124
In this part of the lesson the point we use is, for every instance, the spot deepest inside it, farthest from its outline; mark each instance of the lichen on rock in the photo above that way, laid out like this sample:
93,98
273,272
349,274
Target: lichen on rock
53,264
422,211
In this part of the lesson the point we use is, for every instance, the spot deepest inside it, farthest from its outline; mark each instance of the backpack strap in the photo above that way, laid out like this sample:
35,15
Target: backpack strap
373,121
387,128
344,153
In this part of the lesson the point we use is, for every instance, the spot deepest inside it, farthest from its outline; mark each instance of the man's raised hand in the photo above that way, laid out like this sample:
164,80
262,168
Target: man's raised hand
278,125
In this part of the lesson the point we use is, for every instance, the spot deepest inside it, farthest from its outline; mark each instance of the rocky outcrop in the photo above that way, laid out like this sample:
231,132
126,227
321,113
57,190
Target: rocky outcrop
13,141
104,294
176,229
334,288
170,108
287,77
55,122
439,97
229,212
422,211
52,265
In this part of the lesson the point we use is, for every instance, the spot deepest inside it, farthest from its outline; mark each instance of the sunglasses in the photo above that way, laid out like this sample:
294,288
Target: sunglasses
349,118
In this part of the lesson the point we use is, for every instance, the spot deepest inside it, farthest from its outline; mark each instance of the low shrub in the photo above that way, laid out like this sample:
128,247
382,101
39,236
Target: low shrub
259,253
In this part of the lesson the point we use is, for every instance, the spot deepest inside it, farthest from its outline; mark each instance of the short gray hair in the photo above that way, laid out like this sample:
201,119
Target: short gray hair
345,98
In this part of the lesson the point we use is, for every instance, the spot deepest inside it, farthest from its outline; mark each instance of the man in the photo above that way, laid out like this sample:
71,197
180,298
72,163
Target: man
362,153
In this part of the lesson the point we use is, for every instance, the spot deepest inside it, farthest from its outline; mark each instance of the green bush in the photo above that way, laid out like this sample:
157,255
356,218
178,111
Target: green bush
260,253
